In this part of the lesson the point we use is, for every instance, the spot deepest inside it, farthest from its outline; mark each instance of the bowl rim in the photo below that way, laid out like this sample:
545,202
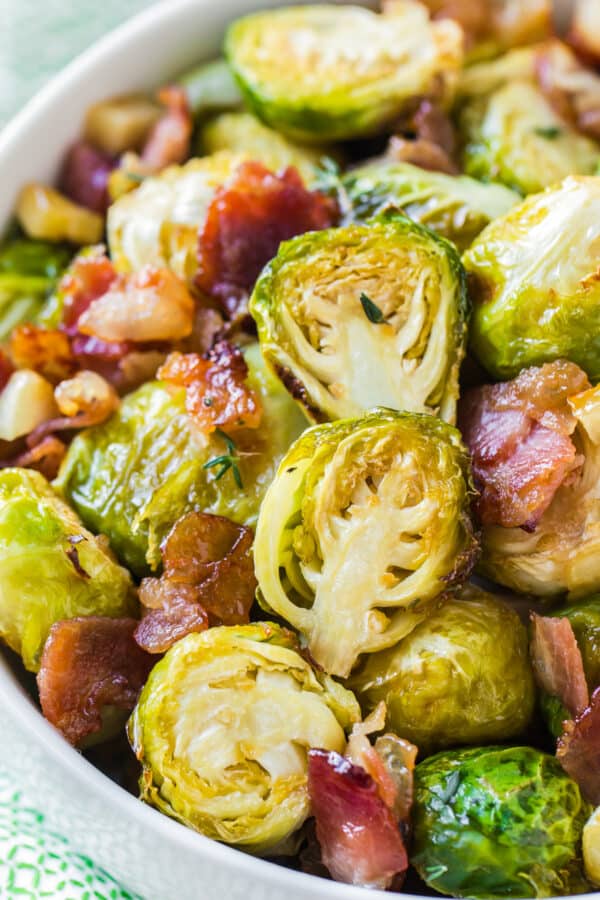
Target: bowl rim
13,697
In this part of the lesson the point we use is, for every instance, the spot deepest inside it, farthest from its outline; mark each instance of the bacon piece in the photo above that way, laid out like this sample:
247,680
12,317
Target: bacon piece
89,276
584,35
89,663
6,369
360,840
578,749
573,90
518,434
169,140
245,223
208,578
432,141
217,394
46,350
45,456
557,662
84,177
150,305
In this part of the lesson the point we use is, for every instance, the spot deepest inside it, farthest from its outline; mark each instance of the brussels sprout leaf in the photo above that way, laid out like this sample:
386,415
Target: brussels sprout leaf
372,311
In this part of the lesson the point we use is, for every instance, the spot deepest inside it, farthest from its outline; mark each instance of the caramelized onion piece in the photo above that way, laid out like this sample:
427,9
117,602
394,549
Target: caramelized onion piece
89,663
360,839
578,750
245,223
572,89
217,395
557,662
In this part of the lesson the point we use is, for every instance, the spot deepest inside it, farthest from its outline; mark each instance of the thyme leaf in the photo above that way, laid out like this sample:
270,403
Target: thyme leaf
371,310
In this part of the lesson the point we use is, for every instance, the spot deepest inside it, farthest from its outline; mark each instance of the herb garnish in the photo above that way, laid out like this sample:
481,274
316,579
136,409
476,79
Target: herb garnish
371,310
226,461
551,132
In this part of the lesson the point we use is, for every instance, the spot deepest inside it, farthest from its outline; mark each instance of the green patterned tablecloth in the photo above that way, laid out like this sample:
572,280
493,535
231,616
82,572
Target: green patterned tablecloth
37,38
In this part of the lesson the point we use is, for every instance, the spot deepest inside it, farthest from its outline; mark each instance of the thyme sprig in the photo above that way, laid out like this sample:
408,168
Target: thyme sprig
227,461
371,310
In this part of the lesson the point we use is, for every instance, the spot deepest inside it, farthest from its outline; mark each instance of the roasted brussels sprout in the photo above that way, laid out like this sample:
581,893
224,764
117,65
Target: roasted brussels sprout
211,87
561,554
461,677
332,73
515,136
591,848
241,132
365,315
157,224
498,822
536,293
366,523
52,567
132,477
222,729
28,271
457,208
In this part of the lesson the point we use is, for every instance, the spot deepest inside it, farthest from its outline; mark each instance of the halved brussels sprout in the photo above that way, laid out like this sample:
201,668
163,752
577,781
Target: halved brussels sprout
337,72
210,88
52,567
241,132
222,729
535,285
461,677
456,207
498,822
135,475
515,136
366,523
562,554
158,223
365,315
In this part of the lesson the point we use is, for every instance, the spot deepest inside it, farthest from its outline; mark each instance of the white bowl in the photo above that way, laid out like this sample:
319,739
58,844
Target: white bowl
148,852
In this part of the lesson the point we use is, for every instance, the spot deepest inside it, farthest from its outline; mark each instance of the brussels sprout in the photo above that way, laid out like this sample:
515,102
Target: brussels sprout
242,132
135,475
365,315
591,847
366,523
461,677
332,73
535,286
514,136
211,88
562,555
222,729
498,822
457,208
52,567
158,223
28,271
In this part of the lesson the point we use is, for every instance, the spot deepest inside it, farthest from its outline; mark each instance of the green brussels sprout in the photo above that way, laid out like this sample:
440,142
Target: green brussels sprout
461,677
157,224
534,279
456,207
336,72
562,555
365,524
514,136
211,87
241,132
498,822
28,272
365,315
584,617
52,567
135,475
222,729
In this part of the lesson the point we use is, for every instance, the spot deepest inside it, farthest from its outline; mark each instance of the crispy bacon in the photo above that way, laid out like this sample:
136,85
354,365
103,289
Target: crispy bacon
45,456
89,663
578,749
557,662
46,350
518,434
246,221
150,305
360,839
426,138
572,89
217,395
84,177
169,140
208,578
89,276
